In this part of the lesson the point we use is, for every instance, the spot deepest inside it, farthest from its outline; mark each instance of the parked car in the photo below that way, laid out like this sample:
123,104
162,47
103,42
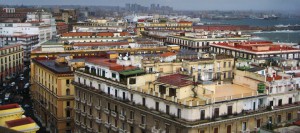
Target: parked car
21,75
26,86
7,96
21,78
12,84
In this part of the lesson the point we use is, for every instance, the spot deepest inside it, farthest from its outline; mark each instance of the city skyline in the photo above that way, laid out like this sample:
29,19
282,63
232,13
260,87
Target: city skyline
176,4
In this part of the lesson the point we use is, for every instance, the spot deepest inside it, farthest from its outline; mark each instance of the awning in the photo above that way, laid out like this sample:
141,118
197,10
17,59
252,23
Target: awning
132,72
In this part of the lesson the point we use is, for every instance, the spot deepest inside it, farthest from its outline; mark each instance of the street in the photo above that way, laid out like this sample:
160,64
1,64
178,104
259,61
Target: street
19,93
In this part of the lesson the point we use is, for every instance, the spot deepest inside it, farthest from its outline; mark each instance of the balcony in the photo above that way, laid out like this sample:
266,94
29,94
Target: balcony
89,103
83,126
106,111
77,122
89,129
97,107
83,101
83,113
77,110
123,131
90,116
121,117
143,126
113,113
107,125
77,99
130,121
114,128
99,121
154,130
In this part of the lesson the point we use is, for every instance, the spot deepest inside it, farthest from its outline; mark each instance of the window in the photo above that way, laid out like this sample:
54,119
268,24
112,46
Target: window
68,103
167,109
143,119
172,92
229,64
157,106
116,108
244,126
108,106
216,112
131,115
167,128
113,75
132,81
224,64
290,100
229,110
144,101
178,113
228,128
156,124
216,130
108,90
258,123
162,89
67,81
279,102
67,91
91,111
68,113
202,114
289,116
278,118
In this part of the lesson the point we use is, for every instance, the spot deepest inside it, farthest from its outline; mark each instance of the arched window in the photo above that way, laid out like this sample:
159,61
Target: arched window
68,91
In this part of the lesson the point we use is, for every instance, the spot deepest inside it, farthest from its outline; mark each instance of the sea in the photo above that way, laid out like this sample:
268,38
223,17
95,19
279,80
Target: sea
284,36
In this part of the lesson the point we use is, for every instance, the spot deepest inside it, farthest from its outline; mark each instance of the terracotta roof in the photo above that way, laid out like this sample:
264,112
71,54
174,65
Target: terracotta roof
77,34
276,77
19,122
252,45
101,44
105,34
9,106
167,54
178,80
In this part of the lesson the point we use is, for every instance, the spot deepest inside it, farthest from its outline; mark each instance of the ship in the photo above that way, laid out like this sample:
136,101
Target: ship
270,17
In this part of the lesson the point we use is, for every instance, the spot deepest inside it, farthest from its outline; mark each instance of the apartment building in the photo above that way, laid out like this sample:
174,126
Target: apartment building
201,42
171,26
27,41
114,97
53,93
11,61
255,49
73,37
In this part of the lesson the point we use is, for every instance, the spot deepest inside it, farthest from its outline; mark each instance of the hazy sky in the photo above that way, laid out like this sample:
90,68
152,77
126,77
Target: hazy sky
288,5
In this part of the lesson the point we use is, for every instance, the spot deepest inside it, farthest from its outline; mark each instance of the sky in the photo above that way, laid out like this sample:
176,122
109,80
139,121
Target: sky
286,5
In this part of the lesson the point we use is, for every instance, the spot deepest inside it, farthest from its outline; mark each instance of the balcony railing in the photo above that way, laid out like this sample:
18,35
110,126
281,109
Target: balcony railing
113,113
107,125
83,126
89,129
106,111
114,128
77,99
77,110
130,121
123,131
154,130
97,107
83,113
99,121
89,103
121,117
77,122
143,126
83,101
90,116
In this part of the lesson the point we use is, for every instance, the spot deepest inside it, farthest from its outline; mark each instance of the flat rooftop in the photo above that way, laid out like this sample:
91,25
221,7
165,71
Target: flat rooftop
111,64
51,65
231,91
